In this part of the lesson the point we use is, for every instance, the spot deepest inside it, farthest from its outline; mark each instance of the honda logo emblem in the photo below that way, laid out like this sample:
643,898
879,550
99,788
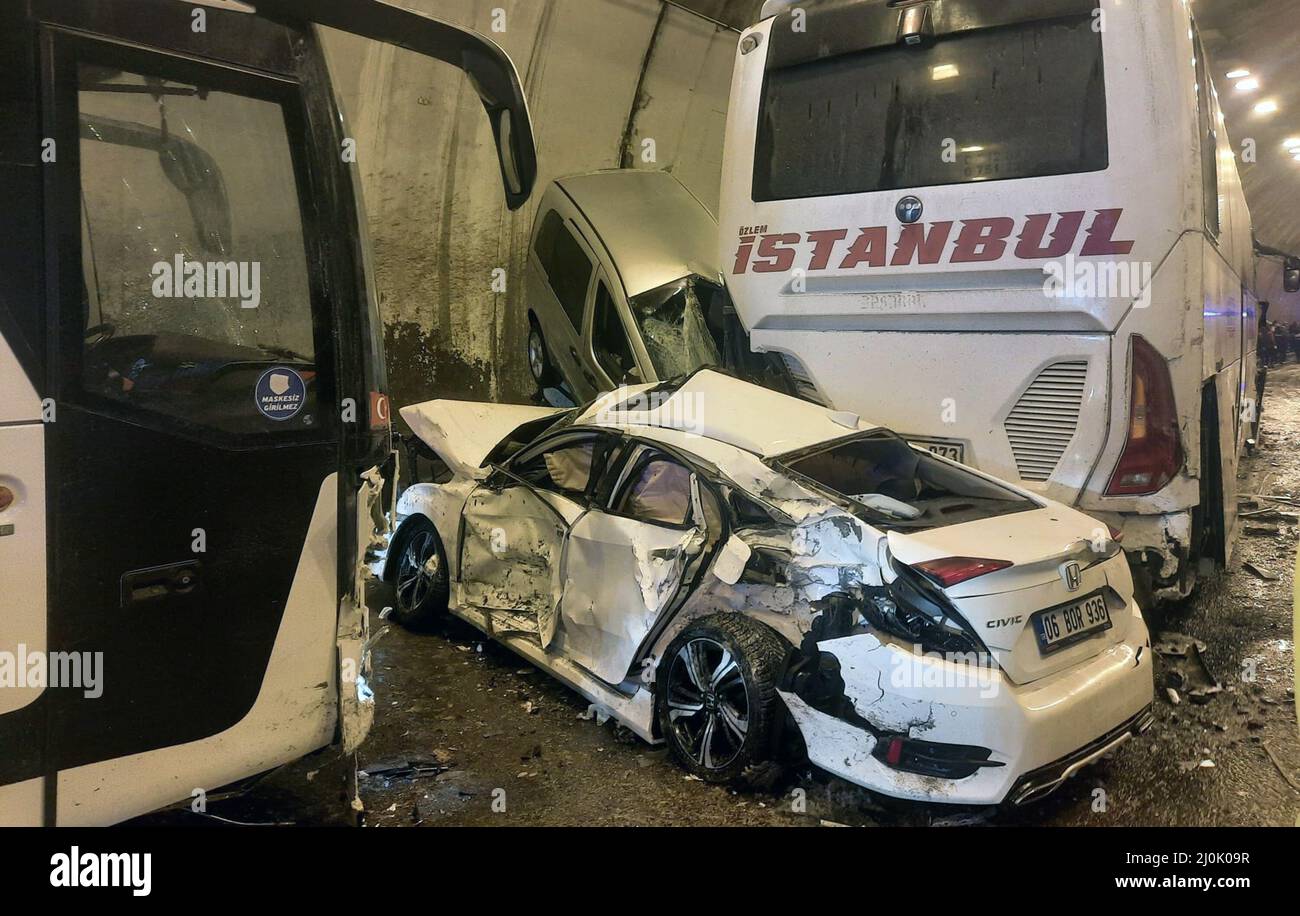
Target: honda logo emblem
1071,575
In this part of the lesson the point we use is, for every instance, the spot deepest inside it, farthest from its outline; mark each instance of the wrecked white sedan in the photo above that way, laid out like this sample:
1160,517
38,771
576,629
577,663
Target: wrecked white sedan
728,569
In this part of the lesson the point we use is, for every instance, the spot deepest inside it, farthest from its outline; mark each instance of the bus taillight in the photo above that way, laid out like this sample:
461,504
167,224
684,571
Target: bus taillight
1153,452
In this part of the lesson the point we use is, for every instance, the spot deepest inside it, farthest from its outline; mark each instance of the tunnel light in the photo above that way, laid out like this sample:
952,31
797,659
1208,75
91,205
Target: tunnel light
1267,107
944,72
972,149
1291,142
1238,74
1247,85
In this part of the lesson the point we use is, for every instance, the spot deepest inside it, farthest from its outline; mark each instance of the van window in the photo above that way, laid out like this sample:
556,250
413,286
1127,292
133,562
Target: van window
609,340
566,265
1209,134
1015,101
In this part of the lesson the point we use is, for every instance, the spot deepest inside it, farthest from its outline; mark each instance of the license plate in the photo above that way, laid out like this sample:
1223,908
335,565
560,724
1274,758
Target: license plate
1058,627
954,451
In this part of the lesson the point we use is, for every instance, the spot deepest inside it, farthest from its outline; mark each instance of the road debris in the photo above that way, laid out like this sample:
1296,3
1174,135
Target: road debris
1260,572
413,767
1290,780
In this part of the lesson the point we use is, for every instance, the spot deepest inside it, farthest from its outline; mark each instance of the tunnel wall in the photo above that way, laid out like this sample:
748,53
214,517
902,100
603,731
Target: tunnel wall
1283,307
601,77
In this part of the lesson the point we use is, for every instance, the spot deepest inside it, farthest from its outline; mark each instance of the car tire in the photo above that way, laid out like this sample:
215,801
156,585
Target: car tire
743,660
540,366
420,580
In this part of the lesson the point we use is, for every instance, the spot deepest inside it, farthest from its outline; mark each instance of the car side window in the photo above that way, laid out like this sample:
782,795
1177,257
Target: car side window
609,340
566,265
659,491
195,298
565,467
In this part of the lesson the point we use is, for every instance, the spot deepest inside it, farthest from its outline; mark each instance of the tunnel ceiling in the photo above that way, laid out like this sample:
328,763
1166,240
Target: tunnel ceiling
1262,36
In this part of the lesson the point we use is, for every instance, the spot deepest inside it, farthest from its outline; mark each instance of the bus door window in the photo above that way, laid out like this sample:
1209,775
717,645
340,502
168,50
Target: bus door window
196,293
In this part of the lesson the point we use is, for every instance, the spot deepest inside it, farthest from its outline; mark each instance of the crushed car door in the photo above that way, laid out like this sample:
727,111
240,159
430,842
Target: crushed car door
514,528
625,565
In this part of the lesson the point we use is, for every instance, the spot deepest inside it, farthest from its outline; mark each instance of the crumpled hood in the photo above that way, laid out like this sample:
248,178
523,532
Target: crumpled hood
463,432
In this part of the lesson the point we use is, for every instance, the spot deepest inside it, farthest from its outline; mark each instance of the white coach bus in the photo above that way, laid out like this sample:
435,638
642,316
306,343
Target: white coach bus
187,487
1014,230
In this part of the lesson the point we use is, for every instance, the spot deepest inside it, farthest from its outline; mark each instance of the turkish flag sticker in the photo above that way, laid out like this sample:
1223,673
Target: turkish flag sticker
380,411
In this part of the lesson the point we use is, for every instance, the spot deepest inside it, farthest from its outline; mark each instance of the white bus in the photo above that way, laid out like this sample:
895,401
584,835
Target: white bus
1015,231
188,473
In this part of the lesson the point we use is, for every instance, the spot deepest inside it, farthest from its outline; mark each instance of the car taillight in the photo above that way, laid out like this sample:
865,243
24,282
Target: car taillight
951,570
1153,452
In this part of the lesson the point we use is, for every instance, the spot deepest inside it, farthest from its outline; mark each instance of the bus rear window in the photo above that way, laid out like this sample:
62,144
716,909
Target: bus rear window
1016,101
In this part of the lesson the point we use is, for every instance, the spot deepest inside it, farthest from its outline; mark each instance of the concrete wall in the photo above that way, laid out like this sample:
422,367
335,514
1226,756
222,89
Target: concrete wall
601,77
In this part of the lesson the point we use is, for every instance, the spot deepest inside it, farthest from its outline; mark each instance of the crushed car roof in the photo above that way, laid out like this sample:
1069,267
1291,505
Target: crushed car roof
717,406
654,228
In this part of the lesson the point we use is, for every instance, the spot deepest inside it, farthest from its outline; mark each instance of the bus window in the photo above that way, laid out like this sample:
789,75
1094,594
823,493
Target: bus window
1209,139
196,297
1015,101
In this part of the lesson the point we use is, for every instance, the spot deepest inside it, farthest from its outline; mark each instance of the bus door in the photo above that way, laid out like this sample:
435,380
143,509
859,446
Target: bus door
187,311
194,450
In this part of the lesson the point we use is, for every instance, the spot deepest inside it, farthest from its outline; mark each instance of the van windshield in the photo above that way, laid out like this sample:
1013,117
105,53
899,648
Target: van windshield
673,328
908,487
1015,101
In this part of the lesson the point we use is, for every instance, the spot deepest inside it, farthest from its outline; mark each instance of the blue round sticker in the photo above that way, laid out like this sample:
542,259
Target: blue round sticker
280,393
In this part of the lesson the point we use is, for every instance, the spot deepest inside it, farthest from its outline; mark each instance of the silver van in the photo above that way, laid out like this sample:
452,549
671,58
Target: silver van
624,286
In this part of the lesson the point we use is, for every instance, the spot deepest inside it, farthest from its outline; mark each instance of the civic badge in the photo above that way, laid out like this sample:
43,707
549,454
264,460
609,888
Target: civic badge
1071,575
909,209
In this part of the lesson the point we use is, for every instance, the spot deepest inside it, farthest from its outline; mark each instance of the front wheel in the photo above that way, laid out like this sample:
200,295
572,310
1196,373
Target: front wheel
539,358
421,575
716,691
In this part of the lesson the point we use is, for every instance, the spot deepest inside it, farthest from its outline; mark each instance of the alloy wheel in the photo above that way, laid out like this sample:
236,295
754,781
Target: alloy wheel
708,703
419,570
536,354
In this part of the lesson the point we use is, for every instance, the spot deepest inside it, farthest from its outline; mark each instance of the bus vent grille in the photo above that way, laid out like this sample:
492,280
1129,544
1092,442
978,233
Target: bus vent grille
1045,418
802,379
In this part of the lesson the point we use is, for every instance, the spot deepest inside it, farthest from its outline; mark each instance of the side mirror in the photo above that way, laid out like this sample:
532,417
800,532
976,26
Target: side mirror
1291,279
632,377
507,153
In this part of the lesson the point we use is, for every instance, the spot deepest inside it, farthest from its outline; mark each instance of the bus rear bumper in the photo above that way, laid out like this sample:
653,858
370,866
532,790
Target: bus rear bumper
1159,549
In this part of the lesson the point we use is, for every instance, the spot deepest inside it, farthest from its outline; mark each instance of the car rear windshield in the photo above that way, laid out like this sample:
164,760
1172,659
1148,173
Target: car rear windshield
905,486
1015,101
